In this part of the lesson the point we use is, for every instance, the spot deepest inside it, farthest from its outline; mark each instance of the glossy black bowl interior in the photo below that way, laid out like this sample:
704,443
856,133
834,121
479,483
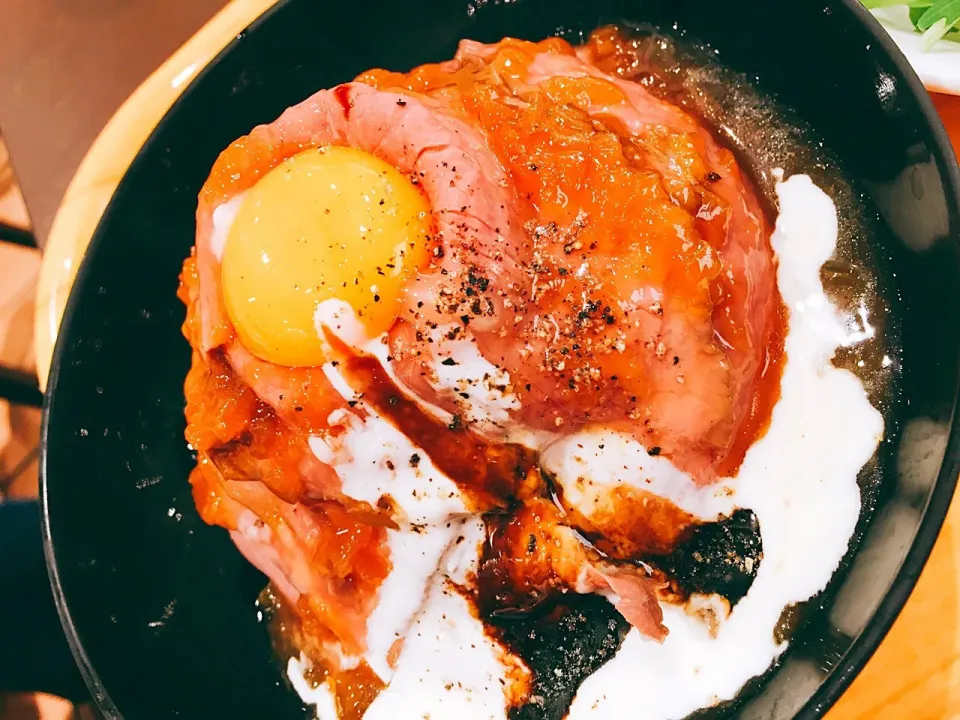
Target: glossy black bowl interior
159,607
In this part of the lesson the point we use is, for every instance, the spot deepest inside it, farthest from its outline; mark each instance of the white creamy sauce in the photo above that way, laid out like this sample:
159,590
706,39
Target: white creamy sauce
799,479
449,667
591,463
415,555
482,390
481,387
374,459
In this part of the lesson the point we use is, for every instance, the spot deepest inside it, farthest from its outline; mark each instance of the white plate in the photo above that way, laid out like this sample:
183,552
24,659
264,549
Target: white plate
938,67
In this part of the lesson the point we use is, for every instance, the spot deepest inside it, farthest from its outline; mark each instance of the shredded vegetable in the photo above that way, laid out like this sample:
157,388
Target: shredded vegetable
934,19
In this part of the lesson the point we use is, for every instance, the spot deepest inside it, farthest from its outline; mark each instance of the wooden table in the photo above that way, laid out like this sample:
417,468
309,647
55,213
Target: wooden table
914,675
65,68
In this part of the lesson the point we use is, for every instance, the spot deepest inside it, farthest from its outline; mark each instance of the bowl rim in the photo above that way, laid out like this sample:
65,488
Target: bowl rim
934,513
98,691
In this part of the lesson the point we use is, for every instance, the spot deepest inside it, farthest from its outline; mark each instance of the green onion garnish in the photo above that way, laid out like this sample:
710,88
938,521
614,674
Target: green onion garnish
934,19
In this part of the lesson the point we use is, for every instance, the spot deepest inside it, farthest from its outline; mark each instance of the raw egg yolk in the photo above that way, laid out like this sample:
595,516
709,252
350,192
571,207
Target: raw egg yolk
327,223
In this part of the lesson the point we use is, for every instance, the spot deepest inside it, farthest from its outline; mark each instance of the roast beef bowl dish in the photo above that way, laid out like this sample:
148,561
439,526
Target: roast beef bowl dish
511,361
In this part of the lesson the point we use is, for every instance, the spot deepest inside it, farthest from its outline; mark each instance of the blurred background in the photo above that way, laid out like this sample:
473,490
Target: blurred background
19,423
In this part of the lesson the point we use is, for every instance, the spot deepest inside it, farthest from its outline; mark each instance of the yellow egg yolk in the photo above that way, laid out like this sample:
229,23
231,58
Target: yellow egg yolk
328,223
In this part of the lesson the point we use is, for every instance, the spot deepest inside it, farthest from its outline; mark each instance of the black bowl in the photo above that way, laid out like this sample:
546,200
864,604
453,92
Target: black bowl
158,606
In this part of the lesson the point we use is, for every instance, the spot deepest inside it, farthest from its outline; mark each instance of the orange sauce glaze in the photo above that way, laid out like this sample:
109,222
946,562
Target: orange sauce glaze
620,55
637,524
239,438
563,164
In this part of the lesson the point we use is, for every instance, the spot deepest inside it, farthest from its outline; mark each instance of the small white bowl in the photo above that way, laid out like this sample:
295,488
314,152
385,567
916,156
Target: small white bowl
938,67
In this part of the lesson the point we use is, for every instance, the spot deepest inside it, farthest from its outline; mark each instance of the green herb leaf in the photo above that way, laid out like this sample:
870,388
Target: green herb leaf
933,19
946,10
876,4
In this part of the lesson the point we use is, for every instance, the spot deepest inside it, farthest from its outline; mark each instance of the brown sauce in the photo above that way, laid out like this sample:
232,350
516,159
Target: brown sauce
720,558
492,475
634,525
521,562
